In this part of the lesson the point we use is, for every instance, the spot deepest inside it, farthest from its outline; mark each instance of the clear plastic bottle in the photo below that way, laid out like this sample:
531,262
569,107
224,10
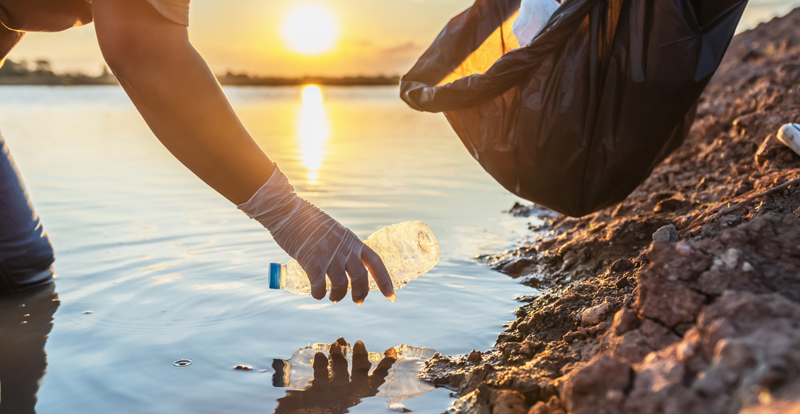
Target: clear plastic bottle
407,249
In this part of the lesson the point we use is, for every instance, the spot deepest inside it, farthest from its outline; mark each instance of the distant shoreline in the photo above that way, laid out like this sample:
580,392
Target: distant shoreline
226,80
40,73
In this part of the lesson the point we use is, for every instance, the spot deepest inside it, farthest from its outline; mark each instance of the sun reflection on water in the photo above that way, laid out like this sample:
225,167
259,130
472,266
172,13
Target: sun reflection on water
313,131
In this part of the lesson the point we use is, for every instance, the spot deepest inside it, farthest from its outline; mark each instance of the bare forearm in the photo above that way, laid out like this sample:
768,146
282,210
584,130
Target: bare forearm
181,101
8,39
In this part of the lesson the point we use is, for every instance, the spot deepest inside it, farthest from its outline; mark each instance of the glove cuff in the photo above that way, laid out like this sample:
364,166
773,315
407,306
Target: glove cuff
273,203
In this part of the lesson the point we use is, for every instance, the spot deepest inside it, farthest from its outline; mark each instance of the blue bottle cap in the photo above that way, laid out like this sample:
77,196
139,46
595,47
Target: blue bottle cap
277,276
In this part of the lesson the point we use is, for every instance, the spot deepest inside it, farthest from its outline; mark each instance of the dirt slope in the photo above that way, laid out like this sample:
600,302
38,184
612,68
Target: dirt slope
702,317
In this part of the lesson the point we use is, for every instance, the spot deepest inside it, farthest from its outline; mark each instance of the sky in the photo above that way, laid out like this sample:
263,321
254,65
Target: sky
375,37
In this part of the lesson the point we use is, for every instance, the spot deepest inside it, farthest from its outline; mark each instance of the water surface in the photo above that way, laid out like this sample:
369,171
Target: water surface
171,270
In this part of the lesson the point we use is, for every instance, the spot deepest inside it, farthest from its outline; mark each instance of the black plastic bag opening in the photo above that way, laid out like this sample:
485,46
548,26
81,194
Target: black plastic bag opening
578,118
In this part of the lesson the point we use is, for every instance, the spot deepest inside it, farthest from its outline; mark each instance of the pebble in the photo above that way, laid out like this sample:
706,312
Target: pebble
595,314
666,233
730,258
683,249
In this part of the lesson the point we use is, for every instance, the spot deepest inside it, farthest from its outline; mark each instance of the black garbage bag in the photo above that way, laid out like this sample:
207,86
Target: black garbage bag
578,118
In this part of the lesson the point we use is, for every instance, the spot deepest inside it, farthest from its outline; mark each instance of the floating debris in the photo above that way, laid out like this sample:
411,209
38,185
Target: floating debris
182,363
87,312
243,367
399,407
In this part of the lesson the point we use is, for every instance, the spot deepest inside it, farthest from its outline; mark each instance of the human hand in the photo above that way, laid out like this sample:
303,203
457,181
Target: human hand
337,390
319,243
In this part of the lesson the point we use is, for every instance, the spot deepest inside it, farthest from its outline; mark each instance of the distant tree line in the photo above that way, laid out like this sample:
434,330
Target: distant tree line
244,79
40,72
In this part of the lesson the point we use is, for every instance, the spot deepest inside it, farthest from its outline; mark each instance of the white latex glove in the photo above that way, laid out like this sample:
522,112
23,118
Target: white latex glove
318,242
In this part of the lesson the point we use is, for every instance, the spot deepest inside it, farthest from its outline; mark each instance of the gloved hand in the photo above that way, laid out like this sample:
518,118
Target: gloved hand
318,242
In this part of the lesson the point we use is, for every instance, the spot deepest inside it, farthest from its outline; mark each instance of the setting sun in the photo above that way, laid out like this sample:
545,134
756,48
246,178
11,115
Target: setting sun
310,29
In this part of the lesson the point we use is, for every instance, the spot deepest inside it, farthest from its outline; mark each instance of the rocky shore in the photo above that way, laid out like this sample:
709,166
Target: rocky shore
683,299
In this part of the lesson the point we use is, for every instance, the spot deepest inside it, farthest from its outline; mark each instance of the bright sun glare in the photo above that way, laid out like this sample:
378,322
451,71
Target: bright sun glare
310,29
313,131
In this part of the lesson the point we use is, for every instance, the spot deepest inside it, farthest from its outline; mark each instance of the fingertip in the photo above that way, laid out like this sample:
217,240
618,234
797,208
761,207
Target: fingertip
359,300
359,347
392,297
318,293
391,353
320,359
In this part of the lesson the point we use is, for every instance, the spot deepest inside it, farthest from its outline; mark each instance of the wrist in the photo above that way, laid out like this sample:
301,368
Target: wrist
274,202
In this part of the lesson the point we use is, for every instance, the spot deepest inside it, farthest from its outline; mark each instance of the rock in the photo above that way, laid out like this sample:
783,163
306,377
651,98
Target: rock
595,314
553,406
621,265
669,302
733,353
515,266
508,402
624,321
742,351
671,204
474,356
243,367
596,388
666,233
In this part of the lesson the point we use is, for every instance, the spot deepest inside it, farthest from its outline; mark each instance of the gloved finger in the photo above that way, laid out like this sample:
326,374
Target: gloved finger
360,358
339,371
338,279
378,271
320,368
359,279
389,358
361,366
318,286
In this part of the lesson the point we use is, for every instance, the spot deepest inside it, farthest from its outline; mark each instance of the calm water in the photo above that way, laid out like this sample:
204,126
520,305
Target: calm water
171,270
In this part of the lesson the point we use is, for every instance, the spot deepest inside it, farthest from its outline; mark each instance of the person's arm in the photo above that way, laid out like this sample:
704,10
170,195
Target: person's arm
185,107
8,39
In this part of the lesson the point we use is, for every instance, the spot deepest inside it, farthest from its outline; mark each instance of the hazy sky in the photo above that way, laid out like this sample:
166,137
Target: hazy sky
376,36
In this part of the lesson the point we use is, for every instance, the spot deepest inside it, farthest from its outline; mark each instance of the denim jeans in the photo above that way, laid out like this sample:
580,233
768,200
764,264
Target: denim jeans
26,254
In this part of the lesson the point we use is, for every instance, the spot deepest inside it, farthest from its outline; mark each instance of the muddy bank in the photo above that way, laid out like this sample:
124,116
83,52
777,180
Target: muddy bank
686,297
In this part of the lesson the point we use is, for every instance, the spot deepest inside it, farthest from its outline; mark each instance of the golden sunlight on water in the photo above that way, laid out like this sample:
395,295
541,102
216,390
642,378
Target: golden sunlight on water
313,131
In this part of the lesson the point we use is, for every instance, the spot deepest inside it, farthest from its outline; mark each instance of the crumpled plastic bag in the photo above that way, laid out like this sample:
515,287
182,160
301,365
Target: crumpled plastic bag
533,14
578,118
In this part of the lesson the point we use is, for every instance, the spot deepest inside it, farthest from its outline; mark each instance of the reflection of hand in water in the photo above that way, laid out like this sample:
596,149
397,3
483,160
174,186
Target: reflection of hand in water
337,390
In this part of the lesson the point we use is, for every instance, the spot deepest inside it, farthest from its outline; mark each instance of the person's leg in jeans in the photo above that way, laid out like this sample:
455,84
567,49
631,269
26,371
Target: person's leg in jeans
26,254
